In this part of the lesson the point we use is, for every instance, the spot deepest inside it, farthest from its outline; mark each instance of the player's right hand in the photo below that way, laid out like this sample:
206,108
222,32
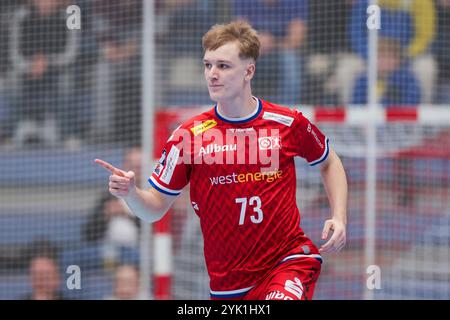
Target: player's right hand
121,183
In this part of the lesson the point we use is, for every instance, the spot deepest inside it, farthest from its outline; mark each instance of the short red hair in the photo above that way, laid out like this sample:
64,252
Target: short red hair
239,31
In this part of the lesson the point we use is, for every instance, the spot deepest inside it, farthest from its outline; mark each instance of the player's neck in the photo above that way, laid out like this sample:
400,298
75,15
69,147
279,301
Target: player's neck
239,107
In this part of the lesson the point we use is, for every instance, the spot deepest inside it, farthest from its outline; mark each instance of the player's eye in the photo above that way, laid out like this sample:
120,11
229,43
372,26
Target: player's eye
207,65
223,66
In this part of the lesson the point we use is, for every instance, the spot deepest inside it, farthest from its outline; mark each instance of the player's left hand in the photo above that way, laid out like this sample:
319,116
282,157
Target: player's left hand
338,238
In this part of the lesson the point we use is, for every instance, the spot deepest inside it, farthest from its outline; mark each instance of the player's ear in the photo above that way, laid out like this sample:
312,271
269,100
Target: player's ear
250,71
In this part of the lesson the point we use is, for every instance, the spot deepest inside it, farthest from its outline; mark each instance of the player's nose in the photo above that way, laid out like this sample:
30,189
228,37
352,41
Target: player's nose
212,73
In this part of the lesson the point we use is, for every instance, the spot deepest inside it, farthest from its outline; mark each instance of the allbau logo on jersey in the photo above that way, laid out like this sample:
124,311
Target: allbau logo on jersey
264,143
217,148
237,146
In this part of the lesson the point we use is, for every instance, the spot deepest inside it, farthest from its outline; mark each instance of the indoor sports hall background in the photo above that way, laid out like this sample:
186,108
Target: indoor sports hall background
111,79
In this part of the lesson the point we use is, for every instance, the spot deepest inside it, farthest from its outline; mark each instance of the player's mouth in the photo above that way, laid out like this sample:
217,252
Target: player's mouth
215,87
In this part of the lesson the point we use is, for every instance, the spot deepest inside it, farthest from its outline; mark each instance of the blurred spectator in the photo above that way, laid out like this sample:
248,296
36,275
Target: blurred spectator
118,30
327,26
126,284
328,49
44,272
111,224
282,26
442,52
412,24
45,279
113,227
6,9
41,50
187,21
396,84
79,108
133,162
5,113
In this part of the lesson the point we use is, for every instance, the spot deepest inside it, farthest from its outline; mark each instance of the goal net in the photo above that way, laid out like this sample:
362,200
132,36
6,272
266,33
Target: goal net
410,247
112,79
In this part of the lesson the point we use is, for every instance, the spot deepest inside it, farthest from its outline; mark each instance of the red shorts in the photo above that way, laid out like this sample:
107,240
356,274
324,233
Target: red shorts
291,280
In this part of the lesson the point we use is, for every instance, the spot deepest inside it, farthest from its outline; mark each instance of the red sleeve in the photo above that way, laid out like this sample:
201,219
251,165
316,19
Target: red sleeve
172,172
313,144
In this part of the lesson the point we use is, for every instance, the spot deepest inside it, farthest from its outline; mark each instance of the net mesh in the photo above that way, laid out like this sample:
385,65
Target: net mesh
69,95
412,210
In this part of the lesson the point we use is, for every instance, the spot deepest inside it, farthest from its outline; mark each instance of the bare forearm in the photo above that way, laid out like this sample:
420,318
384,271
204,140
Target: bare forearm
335,182
146,205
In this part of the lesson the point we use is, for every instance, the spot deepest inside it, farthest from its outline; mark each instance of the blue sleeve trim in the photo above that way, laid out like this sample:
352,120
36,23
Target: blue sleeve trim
161,190
323,157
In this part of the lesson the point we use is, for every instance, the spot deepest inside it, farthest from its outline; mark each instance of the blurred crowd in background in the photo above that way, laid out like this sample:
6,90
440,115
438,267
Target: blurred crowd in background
101,238
84,85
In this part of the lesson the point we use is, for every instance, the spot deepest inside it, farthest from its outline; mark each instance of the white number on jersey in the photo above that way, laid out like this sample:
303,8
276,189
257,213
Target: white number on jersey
255,202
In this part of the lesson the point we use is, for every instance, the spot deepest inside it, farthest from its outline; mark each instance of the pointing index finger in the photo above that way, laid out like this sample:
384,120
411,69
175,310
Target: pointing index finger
109,167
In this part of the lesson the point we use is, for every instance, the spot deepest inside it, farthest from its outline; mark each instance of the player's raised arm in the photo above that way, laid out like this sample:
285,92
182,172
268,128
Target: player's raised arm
149,205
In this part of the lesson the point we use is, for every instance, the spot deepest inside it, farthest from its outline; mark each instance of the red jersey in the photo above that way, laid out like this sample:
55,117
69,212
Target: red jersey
243,188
